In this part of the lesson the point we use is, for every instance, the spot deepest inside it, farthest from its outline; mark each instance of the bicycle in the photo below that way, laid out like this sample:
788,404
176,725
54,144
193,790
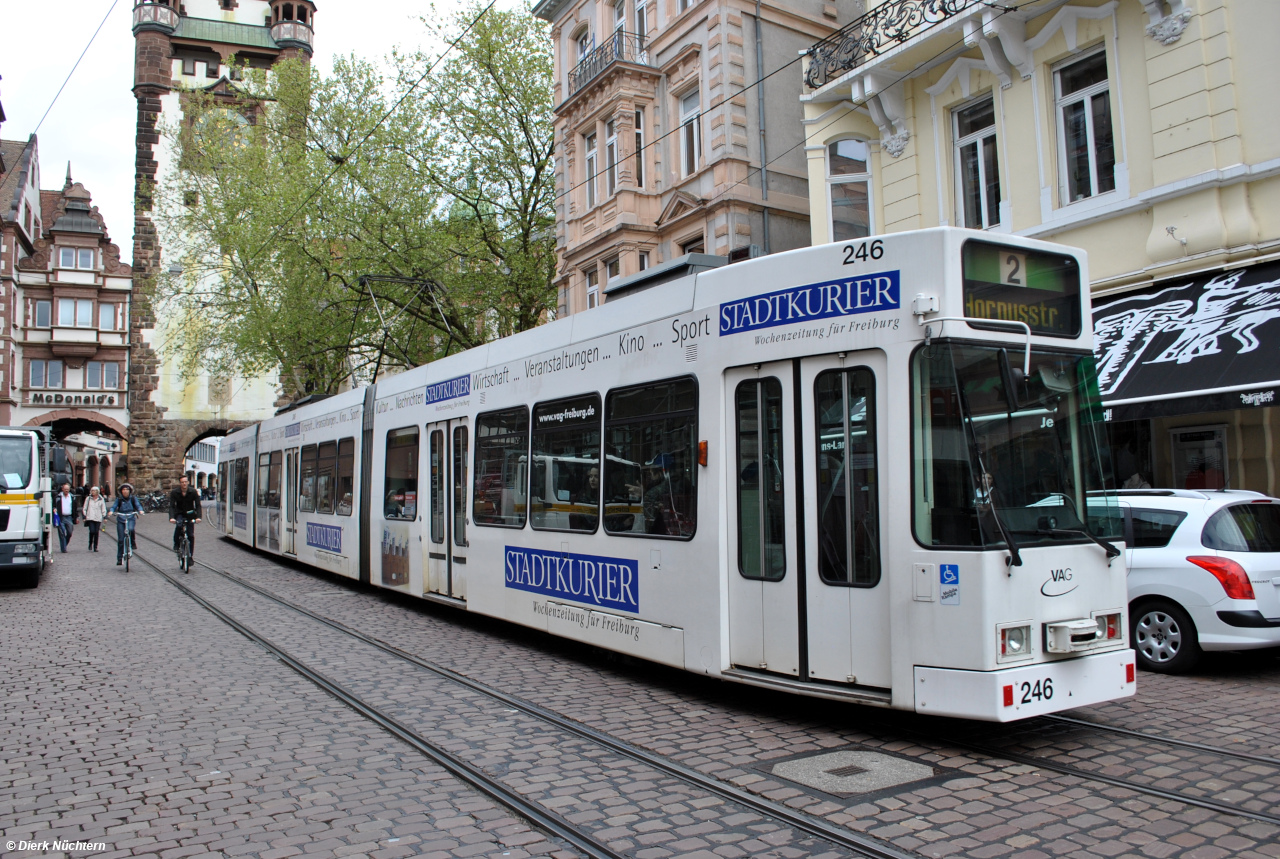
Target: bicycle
184,546
127,550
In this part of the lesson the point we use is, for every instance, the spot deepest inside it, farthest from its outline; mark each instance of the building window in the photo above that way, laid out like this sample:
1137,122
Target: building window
642,21
44,314
693,246
639,149
75,312
103,375
85,258
583,42
107,317
690,133
1087,147
211,70
66,258
593,288
977,166
46,374
642,261
188,65
612,269
611,155
849,186
686,4
619,14
591,170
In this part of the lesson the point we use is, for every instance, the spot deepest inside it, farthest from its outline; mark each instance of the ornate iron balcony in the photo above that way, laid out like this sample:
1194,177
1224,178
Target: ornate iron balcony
149,15
884,27
619,46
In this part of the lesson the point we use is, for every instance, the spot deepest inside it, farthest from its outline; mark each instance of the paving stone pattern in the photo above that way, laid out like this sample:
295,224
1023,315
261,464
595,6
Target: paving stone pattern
995,809
629,805
134,718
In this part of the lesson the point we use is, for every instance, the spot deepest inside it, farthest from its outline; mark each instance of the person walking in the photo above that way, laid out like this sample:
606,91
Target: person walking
95,510
184,512
67,506
125,503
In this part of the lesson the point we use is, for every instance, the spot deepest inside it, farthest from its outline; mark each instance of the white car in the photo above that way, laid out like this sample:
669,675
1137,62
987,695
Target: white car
1204,573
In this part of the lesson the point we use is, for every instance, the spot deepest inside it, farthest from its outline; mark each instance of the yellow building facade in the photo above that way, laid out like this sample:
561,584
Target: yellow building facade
1143,131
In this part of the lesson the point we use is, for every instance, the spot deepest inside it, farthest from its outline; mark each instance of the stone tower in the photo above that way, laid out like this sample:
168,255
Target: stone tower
183,46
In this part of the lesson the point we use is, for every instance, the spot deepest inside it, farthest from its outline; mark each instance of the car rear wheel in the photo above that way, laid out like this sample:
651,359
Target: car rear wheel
1164,638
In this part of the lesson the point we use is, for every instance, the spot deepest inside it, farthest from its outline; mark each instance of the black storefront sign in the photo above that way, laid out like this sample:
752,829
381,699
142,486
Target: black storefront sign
1204,344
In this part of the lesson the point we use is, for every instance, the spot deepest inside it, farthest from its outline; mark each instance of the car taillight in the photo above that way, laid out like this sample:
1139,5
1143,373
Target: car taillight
1235,581
1108,627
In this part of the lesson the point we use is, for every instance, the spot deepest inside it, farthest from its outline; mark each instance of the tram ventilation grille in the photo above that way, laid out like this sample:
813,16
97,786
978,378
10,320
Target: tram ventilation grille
691,353
844,772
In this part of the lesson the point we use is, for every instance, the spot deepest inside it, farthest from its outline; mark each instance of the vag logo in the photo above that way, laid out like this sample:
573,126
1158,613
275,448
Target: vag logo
1059,583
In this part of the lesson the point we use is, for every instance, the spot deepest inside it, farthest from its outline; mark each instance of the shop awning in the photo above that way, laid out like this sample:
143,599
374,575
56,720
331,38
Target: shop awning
1204,344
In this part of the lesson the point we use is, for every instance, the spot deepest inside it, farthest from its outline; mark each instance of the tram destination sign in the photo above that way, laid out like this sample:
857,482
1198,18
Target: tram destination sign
868,293
1020,285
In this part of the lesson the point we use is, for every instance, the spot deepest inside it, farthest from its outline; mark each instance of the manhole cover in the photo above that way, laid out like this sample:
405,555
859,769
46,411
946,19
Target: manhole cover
852,772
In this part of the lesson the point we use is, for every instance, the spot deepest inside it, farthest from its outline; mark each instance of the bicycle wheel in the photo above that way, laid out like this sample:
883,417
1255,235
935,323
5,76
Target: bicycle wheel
127,556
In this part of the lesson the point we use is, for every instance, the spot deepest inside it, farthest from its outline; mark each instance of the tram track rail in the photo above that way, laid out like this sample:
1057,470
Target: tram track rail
1158,738
855,843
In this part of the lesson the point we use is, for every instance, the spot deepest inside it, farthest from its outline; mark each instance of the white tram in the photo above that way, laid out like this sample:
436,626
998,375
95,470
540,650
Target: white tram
830,471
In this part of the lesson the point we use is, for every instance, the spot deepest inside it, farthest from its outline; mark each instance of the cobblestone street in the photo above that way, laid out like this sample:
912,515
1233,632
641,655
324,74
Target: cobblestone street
136,720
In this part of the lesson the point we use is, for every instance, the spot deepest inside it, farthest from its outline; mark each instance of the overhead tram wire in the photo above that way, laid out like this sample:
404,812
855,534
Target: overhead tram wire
1004,10
341,160
76,66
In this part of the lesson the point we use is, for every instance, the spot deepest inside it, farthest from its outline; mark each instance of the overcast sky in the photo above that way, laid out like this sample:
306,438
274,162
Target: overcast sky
92,125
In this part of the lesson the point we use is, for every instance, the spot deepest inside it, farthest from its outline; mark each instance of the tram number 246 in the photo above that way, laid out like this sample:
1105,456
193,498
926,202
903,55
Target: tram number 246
1041,690
854,254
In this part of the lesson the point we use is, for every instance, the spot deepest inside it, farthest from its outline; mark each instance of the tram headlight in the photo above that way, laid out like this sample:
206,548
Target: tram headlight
1108,627
1015,642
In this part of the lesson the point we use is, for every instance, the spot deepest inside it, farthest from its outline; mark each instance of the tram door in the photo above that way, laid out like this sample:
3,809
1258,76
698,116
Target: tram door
289,537
448,449
844,405
808,601
226,493
764,606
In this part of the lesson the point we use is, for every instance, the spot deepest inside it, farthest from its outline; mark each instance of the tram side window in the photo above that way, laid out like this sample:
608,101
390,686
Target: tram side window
264,477
435,454
346,476
242,481
460,486
848,491
565,492
502,459
326,476
400,489
273,480
307,497
761,512
650,482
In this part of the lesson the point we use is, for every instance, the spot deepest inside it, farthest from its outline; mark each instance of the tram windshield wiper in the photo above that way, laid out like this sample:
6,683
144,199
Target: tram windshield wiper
1111,550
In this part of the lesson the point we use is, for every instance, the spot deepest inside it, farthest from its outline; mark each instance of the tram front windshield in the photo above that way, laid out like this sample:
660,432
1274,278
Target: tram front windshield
998,452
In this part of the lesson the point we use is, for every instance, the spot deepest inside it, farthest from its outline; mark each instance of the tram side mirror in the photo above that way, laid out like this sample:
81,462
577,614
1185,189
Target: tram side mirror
1015,383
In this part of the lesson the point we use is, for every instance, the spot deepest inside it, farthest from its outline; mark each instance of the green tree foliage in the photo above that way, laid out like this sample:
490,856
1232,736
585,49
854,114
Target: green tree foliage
288,188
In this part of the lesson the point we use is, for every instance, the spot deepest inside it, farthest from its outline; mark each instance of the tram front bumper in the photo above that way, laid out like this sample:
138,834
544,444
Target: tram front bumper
1026,690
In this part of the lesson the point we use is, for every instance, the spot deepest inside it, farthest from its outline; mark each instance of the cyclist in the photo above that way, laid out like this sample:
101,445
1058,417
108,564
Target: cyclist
184,512
125,503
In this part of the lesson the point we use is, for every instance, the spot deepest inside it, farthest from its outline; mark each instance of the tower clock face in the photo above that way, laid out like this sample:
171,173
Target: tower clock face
219,128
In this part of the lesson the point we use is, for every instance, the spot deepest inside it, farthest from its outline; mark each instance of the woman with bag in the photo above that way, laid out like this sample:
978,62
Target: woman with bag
95,510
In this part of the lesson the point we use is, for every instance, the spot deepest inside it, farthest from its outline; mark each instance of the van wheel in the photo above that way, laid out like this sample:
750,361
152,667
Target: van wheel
31,579
1164,638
